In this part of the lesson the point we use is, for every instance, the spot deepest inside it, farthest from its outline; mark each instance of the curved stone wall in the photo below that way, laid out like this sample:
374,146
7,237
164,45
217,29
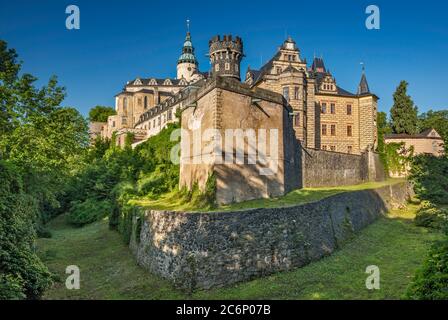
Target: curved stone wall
204,250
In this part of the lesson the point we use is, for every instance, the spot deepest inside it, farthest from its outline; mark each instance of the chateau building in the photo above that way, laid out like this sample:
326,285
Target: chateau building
324,116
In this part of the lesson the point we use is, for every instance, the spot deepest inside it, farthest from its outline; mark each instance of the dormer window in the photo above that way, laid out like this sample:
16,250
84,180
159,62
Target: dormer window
138,82
153,82
167,82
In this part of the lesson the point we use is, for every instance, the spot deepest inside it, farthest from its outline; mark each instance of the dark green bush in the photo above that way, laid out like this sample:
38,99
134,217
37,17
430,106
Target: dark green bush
430,177
430,216
22,274
431,281
91,210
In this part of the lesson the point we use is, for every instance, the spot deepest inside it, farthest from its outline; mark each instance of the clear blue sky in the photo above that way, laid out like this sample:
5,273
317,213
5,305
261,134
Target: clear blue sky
120,40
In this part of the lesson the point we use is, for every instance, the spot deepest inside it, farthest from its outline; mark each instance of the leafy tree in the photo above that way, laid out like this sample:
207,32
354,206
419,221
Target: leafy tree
101,113
430,177
403,112
22,274
437,120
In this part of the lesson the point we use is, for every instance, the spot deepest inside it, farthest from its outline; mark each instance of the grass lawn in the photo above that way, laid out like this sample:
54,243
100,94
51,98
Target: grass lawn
108,270
172,201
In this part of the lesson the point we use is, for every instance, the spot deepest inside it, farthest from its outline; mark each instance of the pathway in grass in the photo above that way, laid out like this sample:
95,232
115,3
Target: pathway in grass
108,270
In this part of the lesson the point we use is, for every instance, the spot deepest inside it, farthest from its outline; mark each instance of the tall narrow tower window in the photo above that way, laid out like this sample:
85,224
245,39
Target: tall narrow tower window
286,93
145,103
125,104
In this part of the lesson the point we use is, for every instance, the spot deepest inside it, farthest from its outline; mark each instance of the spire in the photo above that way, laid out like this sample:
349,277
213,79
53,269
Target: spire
363,87
187,55
318,65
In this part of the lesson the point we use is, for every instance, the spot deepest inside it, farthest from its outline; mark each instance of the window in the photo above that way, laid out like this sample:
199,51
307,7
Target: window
145,102
217,67
227,66
324,129
113,124
332,148
324,108
154,123
149,125
139,102
123,120
169,115
125,104
349,131
279,70
333,129
159,121
349,109
296,93
324,147
236,67
286,93
297,120
349,149
332,108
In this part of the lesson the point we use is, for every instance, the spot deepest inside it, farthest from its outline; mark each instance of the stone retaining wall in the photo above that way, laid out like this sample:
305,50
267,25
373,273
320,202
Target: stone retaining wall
204,250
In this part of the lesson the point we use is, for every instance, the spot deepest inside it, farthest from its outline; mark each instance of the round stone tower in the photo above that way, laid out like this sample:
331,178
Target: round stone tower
225,56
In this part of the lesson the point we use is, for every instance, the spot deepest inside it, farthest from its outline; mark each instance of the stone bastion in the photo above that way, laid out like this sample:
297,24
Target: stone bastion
214,249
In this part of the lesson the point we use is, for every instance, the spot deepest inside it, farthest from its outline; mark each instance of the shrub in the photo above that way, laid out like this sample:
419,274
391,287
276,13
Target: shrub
91,210
22,274
430,216
430,177
431,281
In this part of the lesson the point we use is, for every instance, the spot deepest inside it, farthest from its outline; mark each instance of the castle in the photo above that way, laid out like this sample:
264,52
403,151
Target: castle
303,103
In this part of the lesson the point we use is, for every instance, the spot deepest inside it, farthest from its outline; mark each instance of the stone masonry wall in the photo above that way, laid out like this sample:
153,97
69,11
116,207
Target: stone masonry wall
329,169
204,250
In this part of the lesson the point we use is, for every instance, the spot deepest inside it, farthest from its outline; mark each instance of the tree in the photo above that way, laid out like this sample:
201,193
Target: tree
383,128
403,112
101,113
437,120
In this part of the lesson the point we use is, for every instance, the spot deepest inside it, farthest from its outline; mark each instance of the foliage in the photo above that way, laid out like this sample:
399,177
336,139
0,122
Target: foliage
431,216
383,128
403,112
82,213
42,138
101,113
397,157
22,274
431,281
430,177
437,120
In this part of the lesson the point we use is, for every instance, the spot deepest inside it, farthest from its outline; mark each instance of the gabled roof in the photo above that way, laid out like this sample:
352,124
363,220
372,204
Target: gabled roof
290,68
423,135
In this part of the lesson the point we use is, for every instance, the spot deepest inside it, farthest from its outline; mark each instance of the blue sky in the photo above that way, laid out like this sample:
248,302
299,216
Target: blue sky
120,40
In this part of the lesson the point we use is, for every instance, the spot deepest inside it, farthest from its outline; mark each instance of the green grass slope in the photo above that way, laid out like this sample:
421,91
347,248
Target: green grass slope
108,270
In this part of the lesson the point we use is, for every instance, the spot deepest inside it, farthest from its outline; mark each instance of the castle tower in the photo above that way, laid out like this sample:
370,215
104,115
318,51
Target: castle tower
225,56
187,63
